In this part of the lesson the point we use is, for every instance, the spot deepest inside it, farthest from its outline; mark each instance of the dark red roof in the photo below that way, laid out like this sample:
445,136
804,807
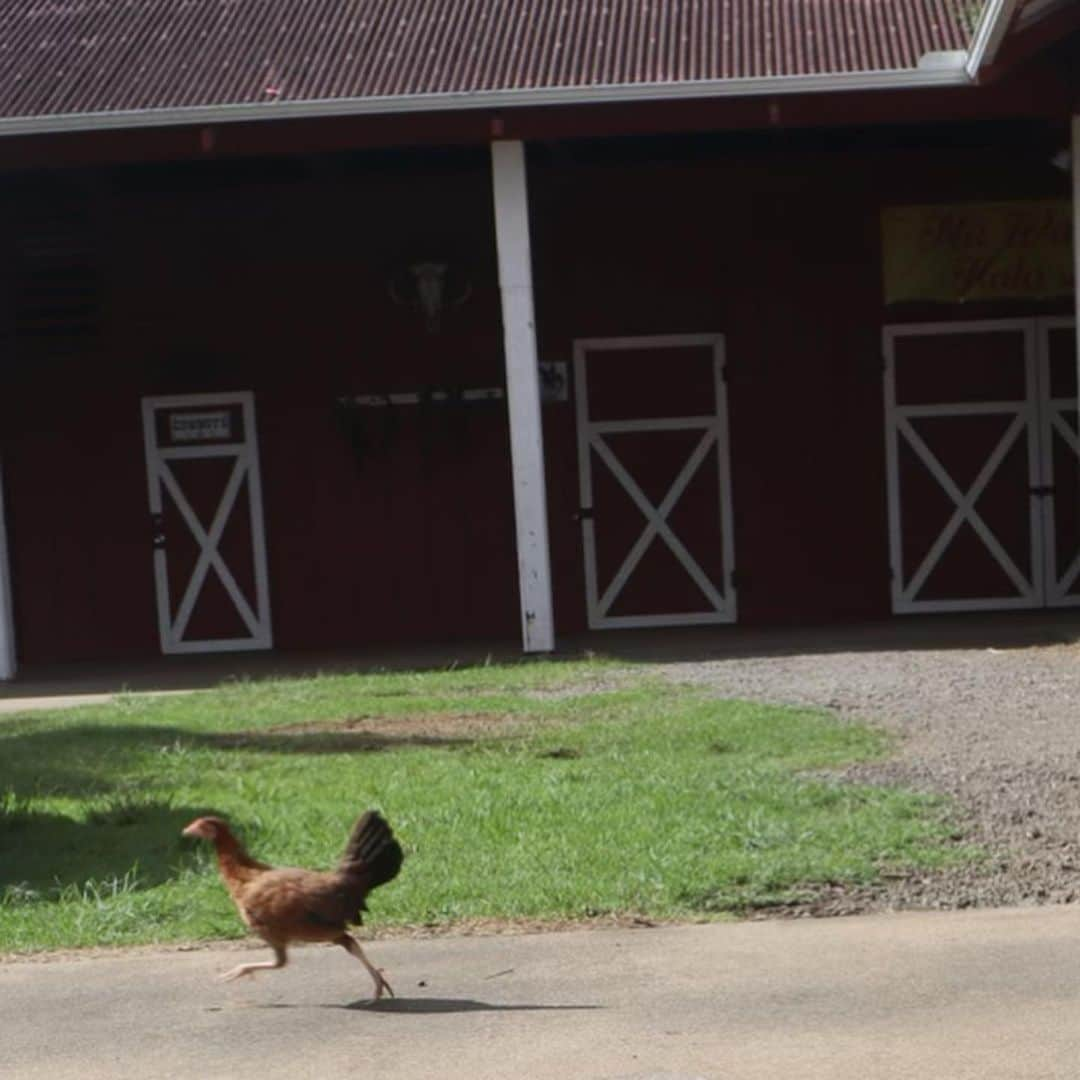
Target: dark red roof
70,57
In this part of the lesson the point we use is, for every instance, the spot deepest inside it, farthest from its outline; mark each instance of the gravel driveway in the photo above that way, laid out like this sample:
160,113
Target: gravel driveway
995,726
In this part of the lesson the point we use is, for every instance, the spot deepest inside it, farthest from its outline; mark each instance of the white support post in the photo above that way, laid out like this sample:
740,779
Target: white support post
510,187
7,617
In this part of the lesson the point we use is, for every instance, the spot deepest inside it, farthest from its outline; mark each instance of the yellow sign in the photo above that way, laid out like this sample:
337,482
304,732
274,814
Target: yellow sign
978,251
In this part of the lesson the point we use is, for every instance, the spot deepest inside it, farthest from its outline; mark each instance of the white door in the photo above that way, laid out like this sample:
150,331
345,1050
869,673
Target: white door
982,454
206,513
1059,448
655,480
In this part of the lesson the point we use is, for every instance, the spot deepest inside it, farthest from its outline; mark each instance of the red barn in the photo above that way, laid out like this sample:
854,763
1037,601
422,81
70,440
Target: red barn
331,325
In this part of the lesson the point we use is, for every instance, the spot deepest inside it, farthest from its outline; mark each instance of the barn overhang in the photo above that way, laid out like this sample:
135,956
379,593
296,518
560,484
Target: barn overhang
938,66
503,119
851,75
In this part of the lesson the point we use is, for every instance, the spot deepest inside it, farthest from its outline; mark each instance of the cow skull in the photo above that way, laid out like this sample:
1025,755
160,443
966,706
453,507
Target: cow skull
428,286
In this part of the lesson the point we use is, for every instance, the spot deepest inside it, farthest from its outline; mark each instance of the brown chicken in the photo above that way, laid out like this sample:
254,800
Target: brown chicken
283,905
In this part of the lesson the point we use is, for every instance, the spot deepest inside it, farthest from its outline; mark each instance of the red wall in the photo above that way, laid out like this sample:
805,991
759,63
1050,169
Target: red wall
778,248
273,278
277,285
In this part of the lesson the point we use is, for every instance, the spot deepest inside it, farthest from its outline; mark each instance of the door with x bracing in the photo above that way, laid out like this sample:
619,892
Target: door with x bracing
206,523
983,465
654,480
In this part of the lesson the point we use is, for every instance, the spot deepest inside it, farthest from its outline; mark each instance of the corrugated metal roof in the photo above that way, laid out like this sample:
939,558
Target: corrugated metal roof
70,57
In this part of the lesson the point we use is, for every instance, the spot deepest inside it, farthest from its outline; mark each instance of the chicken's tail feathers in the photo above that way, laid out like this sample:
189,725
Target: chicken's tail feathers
372,851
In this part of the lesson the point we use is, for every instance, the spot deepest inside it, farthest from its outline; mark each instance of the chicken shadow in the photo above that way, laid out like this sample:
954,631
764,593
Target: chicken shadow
428,1006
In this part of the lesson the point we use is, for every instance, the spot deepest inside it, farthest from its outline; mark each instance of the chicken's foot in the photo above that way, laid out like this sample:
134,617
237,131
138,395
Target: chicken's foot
348,942
280,959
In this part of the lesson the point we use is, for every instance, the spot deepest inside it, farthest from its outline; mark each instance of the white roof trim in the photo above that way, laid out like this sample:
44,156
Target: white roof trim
946,70
995,20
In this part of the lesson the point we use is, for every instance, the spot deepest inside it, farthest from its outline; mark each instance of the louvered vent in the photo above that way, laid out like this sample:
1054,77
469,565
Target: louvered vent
57,286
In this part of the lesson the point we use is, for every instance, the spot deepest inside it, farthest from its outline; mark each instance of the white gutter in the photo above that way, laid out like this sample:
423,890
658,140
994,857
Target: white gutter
989,34
935,70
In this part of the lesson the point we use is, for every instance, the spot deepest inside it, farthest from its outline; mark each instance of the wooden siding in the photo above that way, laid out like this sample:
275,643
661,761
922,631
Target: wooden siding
780,251
274,278
278,284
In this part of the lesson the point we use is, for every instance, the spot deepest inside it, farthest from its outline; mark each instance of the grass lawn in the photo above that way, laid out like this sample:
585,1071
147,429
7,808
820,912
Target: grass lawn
526,791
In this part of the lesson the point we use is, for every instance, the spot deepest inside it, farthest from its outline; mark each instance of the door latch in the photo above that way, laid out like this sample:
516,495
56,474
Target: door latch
157,530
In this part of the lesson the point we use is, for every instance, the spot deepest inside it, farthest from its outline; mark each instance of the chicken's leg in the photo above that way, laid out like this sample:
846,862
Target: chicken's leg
348,942
280,960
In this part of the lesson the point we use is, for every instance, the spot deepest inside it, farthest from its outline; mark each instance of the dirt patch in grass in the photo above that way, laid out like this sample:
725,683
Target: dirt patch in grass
423,725
426,724
372,733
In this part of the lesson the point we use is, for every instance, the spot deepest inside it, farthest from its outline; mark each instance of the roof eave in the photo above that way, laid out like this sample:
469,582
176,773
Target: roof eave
937,70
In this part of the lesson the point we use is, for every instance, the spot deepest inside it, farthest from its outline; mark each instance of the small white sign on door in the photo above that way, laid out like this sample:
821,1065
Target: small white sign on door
200,426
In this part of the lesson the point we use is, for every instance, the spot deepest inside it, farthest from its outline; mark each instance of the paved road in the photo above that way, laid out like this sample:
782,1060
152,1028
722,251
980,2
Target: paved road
990,995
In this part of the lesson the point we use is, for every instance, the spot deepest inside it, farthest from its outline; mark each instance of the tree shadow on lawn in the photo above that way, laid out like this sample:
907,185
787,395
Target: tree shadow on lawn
128,844
88,759
131,838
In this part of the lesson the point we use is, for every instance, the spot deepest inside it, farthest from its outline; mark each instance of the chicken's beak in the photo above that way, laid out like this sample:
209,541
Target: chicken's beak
192,830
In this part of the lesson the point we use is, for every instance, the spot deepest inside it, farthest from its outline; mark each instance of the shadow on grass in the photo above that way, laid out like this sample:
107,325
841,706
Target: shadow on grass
88,760
126,844
327,742
130,839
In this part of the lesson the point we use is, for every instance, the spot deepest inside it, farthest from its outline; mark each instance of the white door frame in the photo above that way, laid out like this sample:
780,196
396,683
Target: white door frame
1031,418
245,467
714,438
1052,422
